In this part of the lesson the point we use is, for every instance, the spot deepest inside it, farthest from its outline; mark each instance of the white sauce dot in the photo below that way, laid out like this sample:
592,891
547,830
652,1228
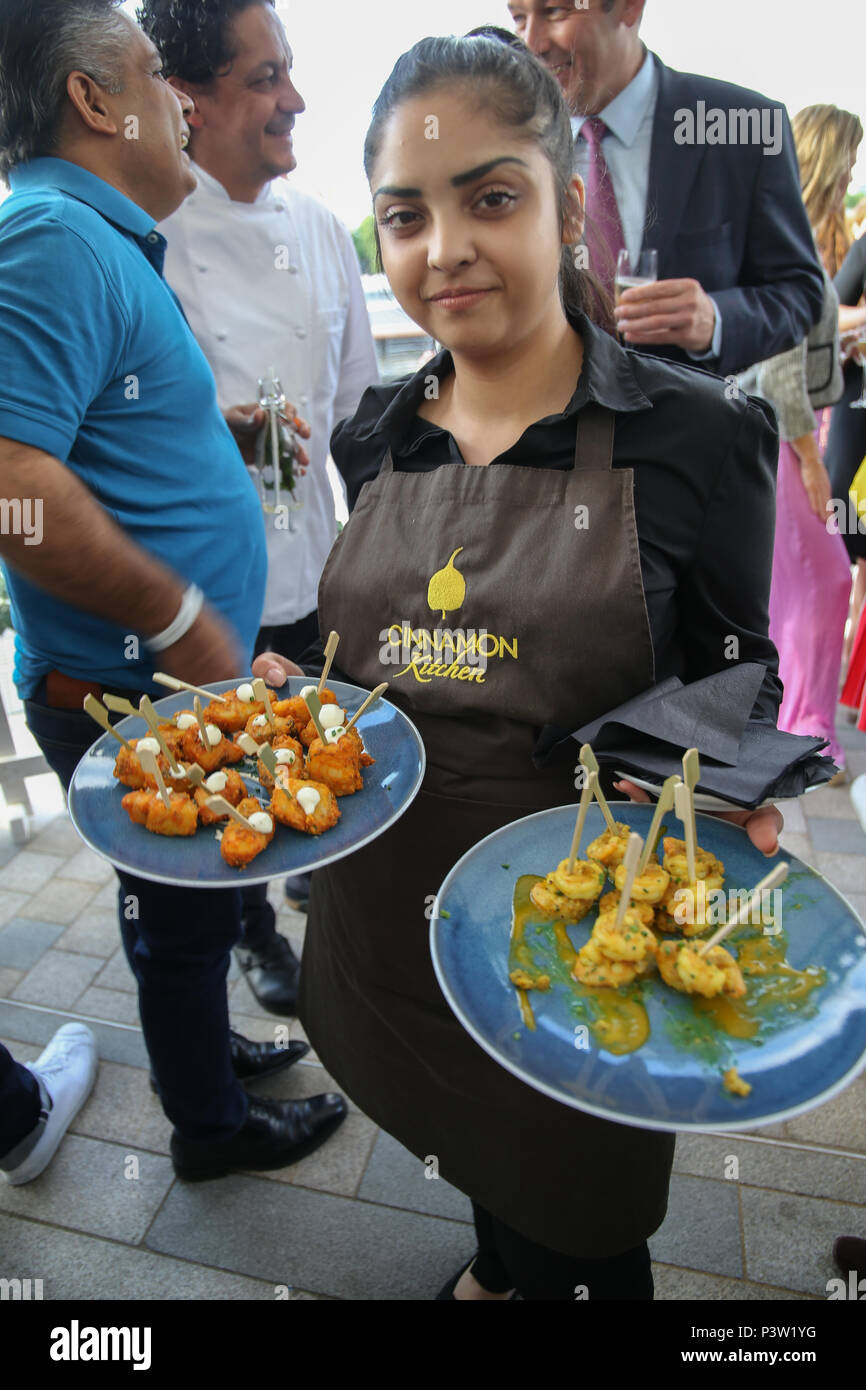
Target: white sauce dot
186,721
260,721
331,716
217,782
285,755
332,735
246,693
307,690
213,734
177,775
308,798
147,745
261,821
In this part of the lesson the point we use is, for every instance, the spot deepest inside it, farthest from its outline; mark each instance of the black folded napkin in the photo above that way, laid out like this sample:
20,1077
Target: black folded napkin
742,761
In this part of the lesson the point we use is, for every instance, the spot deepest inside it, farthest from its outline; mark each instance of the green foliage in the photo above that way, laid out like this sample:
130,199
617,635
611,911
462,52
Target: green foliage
364,238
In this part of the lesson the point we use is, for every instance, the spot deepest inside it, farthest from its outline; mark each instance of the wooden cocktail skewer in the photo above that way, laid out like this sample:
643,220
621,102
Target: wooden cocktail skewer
148,713
206,743
260,690
330,648
630,863
266,753
589,762
248,744
100,714
219,803
314,705
770,880
373,696
174,684
585,799
149,763
664,803
118,705
685,807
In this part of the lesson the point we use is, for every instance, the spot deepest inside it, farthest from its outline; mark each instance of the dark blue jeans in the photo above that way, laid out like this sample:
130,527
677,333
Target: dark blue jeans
178,943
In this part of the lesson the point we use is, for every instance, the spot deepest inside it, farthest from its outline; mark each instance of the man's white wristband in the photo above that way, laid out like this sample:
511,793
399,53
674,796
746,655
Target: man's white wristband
190,607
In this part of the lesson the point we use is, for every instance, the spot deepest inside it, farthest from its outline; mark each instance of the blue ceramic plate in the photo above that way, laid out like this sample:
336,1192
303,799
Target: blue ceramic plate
798,1059
390,786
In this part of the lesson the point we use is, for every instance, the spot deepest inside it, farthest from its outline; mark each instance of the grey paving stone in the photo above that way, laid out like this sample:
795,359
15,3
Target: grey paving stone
11,904
114,1041
27,872
850,737
847,872
800,845
245,1002
858,902
687,1284
85,1188
123,1109
839,1124
89,867
306,1078
23,941
9,979
60,837
857,763
789,1240
73,1266
7,852
702,1227
21,1051
833,802
837,836
113,1004
61,900
57,979
116,974
792,810
396,1178
339,1164
106,898
289,1235
802,1171
95,933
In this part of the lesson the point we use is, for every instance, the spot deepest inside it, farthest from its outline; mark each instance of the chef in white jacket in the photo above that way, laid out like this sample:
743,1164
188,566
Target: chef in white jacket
268,278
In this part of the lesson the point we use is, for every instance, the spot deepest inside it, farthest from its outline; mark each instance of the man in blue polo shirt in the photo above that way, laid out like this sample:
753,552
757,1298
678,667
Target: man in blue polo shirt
150,539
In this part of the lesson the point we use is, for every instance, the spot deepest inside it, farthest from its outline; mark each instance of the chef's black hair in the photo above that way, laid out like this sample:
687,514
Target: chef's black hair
501,73
193,36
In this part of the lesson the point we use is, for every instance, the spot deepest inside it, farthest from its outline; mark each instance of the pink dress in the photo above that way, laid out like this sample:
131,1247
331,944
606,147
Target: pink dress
809,596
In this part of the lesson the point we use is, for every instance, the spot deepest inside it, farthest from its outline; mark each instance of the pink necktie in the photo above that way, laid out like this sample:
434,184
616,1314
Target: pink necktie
604,236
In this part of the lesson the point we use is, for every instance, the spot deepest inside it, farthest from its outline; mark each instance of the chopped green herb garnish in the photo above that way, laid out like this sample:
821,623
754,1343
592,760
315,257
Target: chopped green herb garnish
443,913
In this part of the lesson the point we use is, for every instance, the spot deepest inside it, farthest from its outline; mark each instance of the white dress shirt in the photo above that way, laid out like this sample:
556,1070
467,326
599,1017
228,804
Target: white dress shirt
276,283
627,148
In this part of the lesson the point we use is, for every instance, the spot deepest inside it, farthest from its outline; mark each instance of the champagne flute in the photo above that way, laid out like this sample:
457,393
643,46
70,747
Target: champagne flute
641,269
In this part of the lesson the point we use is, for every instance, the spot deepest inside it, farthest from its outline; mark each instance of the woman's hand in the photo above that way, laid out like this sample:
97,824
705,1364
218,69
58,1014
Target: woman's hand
275,669
761,826
816,481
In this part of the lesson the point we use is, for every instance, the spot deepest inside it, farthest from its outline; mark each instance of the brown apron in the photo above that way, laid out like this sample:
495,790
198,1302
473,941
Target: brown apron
540,568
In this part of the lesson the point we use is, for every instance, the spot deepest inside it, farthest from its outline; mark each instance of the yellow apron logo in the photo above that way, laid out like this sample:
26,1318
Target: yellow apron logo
447,588
448,654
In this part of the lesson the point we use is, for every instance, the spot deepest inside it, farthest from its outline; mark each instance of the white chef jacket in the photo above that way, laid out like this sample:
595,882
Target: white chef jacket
276,283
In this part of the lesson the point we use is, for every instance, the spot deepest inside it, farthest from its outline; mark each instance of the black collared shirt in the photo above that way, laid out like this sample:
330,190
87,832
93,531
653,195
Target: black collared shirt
704,458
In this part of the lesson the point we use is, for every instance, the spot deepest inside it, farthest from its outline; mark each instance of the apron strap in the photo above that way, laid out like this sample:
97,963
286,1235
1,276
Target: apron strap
387,465
593,447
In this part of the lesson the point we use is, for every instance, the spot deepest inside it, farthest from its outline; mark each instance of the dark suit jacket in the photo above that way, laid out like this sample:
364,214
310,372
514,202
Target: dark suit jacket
732,218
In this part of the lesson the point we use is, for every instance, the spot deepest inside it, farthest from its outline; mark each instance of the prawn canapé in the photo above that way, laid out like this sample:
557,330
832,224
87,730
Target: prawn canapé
681,967
569,896
615,955
609,848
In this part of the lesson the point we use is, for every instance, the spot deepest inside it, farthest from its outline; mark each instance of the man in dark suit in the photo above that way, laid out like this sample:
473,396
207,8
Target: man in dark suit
703,171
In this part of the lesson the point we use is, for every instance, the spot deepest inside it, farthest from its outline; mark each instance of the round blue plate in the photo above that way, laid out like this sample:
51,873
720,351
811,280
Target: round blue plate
390,786
798,1060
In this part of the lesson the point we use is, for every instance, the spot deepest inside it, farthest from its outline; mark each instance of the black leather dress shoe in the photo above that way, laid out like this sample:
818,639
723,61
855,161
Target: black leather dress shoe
251,1061
276,1133
272,972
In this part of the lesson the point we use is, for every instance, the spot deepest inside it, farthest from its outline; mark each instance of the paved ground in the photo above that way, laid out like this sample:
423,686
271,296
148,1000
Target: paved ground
358,1219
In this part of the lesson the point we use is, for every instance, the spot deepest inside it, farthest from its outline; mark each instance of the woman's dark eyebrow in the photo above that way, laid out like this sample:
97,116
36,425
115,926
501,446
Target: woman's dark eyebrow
458,180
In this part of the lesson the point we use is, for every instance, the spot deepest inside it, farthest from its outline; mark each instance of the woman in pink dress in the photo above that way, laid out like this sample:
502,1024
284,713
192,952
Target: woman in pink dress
811,582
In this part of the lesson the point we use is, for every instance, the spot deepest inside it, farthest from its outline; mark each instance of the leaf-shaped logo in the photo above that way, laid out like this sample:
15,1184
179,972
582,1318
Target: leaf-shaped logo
447,588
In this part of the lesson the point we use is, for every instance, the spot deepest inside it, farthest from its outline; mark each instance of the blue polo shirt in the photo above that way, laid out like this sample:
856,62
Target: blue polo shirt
99,367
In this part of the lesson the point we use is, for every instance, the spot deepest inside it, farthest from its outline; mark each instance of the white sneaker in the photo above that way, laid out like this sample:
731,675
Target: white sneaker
66,1070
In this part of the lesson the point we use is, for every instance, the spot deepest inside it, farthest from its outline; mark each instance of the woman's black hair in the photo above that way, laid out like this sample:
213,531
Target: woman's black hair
505,78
